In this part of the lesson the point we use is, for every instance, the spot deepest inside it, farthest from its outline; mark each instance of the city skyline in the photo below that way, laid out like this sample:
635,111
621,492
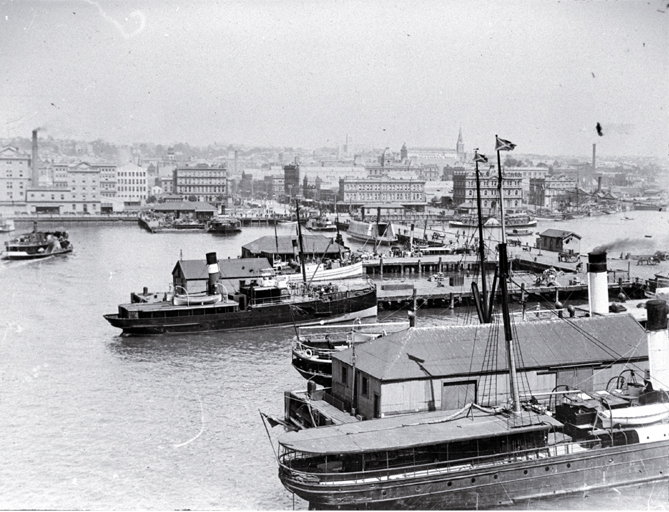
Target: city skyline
294,74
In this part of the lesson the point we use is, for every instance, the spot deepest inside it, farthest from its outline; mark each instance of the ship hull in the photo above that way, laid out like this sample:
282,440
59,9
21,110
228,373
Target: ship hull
356,305
494,485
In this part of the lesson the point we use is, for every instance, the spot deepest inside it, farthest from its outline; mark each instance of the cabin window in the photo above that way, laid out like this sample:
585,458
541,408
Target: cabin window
344,375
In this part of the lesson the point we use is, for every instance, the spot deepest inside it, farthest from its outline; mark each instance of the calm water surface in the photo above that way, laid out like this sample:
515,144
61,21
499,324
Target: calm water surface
93,420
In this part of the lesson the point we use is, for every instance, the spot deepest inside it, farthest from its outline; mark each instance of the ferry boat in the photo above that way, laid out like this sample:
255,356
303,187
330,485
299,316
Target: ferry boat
514,220
38,245
372,232
224,224
482,455
321,224
262,301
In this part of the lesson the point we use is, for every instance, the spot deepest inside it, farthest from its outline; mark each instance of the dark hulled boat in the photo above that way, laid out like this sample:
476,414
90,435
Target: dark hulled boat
38,245
224,225
263,301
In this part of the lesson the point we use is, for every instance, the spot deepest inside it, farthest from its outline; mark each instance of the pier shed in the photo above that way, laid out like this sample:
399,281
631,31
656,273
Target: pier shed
183,209
446,367
287,247
558,240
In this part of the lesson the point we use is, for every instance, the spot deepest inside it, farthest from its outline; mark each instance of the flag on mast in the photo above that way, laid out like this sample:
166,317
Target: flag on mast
482,159
503,145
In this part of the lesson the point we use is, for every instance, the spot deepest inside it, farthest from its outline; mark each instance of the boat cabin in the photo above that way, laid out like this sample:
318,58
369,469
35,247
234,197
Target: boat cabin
192,276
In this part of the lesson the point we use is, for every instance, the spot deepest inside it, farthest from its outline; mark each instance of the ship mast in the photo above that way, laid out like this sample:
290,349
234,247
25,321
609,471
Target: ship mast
484,312
504,145
299,238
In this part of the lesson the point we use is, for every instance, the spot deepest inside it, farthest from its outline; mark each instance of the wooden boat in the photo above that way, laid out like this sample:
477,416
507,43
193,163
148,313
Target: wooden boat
318,272
38,245
519,232
196,299
372,232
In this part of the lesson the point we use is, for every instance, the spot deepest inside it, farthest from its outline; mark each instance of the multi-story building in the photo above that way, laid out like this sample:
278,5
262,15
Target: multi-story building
409,193
464,190
206,183
53,200
83,182
528,173
551,191
131,185
15,175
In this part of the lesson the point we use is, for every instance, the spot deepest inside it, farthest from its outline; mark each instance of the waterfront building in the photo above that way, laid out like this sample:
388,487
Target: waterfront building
55,201
205,182
132,185
464,190
15,175
551,191
409,193
527,174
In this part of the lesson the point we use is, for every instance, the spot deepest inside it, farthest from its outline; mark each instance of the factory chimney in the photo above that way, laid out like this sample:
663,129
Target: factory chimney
594,158
34,167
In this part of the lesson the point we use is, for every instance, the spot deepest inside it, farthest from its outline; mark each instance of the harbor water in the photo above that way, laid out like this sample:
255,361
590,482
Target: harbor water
93,420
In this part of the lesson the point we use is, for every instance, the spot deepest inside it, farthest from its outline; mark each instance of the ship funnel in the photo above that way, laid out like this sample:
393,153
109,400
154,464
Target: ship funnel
598,288
658,344
212,268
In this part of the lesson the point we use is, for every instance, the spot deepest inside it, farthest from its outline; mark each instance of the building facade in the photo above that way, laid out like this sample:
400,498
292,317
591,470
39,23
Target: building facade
551,191
409,193
207,183
15,175
464,189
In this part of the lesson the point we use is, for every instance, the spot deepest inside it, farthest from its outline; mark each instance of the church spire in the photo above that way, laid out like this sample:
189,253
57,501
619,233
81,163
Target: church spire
460,147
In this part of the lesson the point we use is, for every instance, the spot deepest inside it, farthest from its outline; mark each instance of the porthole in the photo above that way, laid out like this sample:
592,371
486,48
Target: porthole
450,483
525,472
473,480
569,464
495,477
548,468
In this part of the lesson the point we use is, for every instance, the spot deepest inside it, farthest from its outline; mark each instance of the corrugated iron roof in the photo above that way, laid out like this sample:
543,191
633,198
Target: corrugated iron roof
558,233
238,268
184,206
460,350
407,431
313,244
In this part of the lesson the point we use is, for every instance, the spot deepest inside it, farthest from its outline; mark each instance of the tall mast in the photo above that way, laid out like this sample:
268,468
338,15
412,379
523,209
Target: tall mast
484,287
504,145
299,238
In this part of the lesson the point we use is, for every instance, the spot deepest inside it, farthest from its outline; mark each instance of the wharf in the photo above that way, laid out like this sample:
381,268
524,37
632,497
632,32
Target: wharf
399,276
60,220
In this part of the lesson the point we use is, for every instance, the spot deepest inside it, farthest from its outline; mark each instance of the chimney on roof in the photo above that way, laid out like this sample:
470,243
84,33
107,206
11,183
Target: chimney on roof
33,164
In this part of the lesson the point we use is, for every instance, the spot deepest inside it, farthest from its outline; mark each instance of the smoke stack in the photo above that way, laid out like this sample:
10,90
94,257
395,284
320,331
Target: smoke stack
212,268
599,184
34,166
598,289
658,343
594,158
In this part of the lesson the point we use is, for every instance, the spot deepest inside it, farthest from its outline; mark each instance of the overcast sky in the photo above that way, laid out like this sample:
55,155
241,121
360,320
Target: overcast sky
307,73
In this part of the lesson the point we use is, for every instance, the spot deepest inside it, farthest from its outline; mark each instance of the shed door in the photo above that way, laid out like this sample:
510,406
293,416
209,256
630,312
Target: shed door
455,395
